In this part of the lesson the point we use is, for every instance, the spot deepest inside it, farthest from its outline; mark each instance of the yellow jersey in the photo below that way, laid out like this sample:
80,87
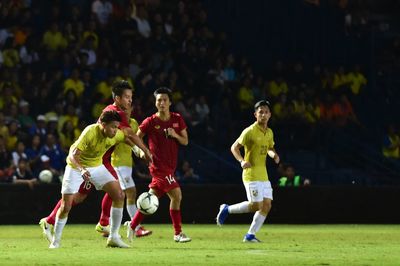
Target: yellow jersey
93,145
122,155
256,143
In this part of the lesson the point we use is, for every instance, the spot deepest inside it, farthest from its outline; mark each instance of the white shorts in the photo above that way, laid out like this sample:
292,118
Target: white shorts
125,177
73,179
258,190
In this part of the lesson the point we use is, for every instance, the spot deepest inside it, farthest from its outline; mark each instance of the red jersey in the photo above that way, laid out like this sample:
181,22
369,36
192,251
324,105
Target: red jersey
124,120
164,149
123,124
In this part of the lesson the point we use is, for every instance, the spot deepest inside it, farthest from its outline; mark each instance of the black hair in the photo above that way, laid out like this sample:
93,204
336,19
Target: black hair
262,103
110,116
163,90
119,86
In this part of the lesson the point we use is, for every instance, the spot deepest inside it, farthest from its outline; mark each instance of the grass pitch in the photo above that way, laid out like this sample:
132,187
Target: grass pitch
211,245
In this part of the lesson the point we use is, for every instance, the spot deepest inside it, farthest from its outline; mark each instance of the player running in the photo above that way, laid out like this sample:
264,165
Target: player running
258,141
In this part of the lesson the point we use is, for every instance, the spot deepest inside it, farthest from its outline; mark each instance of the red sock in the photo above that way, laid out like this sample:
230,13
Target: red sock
176,220
137,219
105,210
51,219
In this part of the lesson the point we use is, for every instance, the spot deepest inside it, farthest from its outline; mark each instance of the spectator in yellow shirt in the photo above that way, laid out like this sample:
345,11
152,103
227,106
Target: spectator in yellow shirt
53,39
245,95
278,86
74,83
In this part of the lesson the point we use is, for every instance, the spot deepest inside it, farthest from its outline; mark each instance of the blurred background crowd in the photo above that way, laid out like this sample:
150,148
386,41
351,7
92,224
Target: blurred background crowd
329,68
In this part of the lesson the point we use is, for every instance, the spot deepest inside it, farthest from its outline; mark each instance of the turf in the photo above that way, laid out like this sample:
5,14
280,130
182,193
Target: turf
282,245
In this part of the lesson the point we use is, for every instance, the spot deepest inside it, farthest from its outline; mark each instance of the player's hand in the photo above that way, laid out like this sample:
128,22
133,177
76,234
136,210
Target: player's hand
171,133
276,158
148,156
245,164
85,174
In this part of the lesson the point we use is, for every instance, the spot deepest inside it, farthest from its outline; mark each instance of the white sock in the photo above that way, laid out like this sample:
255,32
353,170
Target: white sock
258,220
115,221
59,227
131,210
242,207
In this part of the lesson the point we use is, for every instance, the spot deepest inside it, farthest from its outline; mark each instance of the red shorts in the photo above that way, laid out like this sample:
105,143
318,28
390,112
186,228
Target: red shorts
163,184
86,186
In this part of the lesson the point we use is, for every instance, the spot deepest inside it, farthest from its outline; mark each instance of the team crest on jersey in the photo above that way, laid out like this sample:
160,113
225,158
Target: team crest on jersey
175,125
157,127
254,193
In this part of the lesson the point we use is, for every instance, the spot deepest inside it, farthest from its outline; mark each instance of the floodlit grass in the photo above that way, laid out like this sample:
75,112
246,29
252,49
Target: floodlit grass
211,245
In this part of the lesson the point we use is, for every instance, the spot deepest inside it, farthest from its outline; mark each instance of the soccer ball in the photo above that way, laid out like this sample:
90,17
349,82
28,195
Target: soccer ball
147,203
46,176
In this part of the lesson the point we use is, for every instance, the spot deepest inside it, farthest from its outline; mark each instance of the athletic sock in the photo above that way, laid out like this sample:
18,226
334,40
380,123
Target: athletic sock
105,210
176,220
242,207
258,221
115,221
59,227
131,208
137,219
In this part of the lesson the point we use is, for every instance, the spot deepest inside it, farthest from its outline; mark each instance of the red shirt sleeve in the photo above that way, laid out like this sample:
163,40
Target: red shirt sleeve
182,124
145,125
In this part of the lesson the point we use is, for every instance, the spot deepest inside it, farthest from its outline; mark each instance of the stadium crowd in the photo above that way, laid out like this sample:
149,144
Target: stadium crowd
58,60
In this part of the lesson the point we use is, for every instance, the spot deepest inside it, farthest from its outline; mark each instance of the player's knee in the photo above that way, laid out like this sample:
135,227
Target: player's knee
255,206
120,196
266,207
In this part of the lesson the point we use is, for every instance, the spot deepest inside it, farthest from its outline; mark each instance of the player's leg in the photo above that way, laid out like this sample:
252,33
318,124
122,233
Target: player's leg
72,181
130,194
103,224
117,195
61,219
175,196
262,209
103,180
79,197
139,217
242,207
104,221
128,185
49,221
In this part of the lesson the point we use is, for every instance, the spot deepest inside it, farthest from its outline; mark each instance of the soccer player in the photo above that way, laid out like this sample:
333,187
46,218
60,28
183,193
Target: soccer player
121,161
165,131
85,161
258,141
122,95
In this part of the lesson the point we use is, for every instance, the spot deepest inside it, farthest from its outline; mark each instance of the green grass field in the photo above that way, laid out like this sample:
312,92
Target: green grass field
282,245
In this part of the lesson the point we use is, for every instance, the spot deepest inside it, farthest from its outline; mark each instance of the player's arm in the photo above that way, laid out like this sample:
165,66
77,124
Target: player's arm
133,139
76,161
235,149
182,137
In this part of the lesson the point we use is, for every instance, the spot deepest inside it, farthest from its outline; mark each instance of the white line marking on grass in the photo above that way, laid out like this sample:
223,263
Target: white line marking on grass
256,252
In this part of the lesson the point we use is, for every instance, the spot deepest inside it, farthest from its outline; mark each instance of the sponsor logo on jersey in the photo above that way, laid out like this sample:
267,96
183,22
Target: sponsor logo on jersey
157,127
254,193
